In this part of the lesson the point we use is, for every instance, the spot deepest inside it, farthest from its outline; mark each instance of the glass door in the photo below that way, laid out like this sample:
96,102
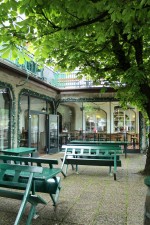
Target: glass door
37,136
53,134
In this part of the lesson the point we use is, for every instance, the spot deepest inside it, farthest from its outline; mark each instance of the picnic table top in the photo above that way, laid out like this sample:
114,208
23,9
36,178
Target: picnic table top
99,142
18,151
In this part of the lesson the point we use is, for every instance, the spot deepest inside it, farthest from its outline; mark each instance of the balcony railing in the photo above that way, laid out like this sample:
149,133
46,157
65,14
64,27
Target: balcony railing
69,81
29,67
59,80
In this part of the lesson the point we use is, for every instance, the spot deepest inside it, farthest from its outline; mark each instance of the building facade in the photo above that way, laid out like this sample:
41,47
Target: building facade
35,113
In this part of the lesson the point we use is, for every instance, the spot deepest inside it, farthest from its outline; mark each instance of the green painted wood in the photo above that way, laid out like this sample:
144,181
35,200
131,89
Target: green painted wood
147,181
28,160
99,142
111,143
92,162
92,149
31,169
93,156
44,176
16,183
18,151
17,169
24,199
46,182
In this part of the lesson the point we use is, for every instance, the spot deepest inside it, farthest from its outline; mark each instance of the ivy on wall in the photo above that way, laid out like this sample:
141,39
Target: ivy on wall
13,110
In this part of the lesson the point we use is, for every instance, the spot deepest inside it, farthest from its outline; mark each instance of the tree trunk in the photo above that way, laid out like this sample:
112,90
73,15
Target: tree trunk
147,165
146,91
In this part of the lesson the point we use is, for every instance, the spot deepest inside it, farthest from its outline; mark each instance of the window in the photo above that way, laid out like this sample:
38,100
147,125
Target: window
4,118
124,120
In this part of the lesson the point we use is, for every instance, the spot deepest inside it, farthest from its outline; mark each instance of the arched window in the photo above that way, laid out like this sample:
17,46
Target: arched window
96,119
101,121
124,120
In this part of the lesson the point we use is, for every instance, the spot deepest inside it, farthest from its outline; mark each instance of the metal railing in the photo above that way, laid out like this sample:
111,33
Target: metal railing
59,80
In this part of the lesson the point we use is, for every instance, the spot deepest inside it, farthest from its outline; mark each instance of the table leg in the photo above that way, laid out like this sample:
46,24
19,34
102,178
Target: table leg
125,150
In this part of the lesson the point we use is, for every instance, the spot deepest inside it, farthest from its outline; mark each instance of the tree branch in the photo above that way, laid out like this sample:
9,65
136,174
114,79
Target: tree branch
89,22
138,46
95,66
119,52
49,21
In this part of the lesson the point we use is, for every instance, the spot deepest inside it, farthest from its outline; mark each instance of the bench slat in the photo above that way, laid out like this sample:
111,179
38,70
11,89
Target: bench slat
28,160
92,162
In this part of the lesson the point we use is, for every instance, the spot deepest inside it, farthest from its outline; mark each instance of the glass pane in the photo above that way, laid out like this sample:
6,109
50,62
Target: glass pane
54,132
24,118
42,134
50,108
4,119
34,130
95,121
124,120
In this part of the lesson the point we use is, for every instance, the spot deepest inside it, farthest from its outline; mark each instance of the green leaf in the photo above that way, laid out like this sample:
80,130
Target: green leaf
6,53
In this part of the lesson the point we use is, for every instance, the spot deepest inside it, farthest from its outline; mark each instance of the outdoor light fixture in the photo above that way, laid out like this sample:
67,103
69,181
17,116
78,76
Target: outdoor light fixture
43,109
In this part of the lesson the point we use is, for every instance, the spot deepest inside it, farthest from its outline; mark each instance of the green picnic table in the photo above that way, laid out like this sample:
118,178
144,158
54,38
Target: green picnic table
30,180
111,143
19,151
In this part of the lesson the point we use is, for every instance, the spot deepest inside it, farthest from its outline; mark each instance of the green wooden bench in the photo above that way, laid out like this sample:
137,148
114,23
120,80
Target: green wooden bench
92,155
14,182
100,143
47,181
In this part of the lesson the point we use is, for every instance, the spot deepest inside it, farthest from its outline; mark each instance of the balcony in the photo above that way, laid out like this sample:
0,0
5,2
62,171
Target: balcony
56,79
63,80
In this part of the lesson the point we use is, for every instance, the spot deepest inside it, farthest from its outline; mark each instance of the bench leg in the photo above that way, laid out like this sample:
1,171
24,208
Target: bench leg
31,215
25,199
77,169
34,201
63,173
55,196
115,166
66,168
110,170
72,166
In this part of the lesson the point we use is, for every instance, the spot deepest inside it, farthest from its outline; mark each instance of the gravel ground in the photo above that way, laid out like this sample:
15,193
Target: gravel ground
91,197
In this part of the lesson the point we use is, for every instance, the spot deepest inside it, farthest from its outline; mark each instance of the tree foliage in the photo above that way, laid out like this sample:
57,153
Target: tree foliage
104,39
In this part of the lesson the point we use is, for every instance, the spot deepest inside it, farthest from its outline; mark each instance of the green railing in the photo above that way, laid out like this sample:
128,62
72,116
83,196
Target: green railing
29,67
69,81
59,80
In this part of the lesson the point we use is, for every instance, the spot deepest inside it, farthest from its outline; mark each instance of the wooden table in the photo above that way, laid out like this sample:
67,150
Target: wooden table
113,143
19,151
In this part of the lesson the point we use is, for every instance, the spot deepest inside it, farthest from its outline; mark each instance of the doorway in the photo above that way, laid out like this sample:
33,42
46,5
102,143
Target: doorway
37,132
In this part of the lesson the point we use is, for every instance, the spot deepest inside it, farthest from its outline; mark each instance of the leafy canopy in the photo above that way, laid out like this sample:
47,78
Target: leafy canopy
103,38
